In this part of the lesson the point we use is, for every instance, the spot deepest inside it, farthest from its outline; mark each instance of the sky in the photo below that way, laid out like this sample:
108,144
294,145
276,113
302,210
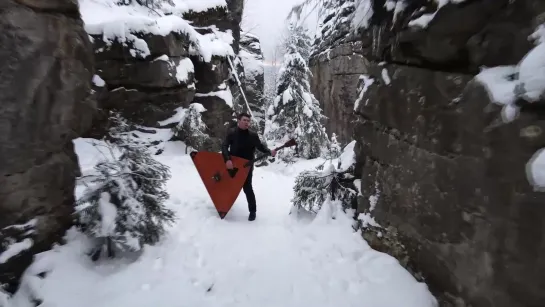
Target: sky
267,19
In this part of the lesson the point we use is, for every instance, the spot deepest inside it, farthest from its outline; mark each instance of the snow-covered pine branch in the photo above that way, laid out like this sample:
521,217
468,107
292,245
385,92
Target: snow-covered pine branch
124,204
295,112
333,148
191,129
334,184
314,188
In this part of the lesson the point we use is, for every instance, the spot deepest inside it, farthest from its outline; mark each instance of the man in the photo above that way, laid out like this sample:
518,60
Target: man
242,142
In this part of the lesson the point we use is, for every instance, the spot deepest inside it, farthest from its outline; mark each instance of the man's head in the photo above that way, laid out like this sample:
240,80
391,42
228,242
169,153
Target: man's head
244,121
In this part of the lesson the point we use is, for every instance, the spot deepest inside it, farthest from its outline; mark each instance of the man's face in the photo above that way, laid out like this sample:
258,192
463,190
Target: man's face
244,122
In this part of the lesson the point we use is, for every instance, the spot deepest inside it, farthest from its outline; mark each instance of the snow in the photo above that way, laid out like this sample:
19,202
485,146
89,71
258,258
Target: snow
163,58
108,213
400,6
286,96
424,20
373,199
535,170
348,156
367,81
28,225
92,151
253,67
539,34
225,95
367,220
119,22
385,76
500,84
98,81
15,249
532,74
184,68
276,260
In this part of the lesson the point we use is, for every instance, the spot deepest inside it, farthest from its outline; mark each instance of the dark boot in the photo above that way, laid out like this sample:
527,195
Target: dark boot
252,216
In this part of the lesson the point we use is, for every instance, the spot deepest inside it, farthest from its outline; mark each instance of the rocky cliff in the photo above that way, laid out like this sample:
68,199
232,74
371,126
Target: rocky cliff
147,68
46,67
251,57
442,163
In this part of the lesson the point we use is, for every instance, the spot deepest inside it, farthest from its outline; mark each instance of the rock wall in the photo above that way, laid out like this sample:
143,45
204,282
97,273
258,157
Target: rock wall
46,67
336,67
454,201
147,85
251,56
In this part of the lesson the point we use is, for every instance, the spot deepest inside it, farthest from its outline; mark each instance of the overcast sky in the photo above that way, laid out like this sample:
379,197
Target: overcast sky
266,19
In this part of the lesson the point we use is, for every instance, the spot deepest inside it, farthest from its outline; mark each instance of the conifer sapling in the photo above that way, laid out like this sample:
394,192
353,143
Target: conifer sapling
124,204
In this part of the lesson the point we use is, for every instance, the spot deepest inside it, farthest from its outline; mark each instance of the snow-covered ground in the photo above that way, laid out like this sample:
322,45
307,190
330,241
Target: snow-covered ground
275,260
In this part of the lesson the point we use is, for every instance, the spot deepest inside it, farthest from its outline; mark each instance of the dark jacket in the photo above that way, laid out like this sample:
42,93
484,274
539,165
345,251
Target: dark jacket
242,143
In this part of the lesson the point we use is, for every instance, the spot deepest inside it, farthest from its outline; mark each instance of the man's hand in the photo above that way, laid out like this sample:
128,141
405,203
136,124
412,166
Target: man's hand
273,152
229,164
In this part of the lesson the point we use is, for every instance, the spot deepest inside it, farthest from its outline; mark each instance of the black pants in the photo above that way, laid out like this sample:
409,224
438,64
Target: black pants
249,191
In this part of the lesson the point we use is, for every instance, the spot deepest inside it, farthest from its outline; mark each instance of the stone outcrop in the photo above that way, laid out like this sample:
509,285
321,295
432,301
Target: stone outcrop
454,200
251,56
147,87
45,78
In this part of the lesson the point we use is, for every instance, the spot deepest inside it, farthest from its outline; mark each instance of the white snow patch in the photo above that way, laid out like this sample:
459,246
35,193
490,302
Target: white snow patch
225,95
400,7
30,224
367,81
535,170
253,67
499,83
367,220
119,22
98,81
373,199
348,156
357,183
163,57
539,34
532,74
108,214
424,20
15,249
184,68
385,76
390,5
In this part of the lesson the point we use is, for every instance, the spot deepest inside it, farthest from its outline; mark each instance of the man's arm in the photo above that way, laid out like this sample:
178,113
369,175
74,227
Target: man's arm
261,146
225,145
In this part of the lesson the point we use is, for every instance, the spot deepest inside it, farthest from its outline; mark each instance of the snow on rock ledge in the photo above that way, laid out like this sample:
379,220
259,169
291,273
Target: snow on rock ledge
155,60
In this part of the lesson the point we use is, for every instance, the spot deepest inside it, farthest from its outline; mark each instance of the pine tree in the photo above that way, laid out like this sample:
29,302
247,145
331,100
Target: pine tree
316,187
191,129
295,112
124,204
